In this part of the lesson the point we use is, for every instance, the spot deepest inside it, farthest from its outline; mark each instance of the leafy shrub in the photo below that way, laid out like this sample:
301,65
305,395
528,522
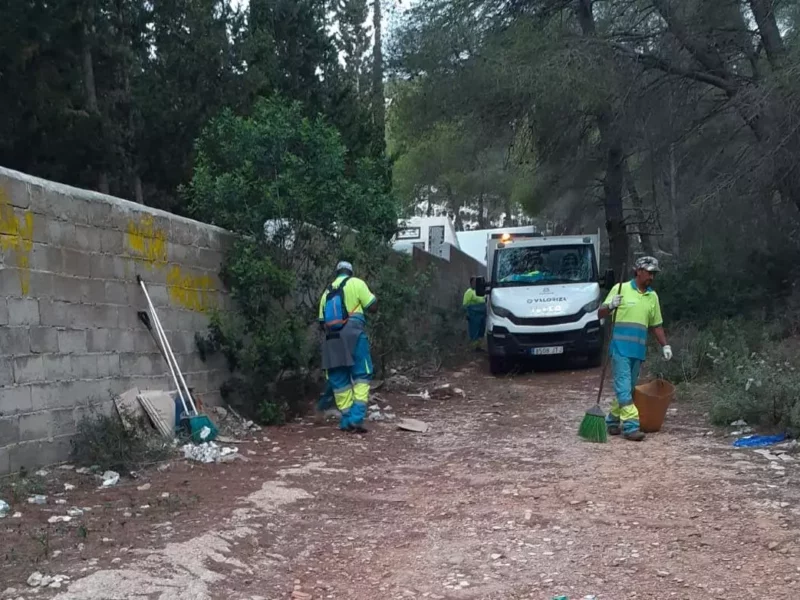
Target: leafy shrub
279,180
104,441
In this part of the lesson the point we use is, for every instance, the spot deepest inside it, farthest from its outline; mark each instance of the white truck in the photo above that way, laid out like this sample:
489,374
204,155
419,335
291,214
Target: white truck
542,296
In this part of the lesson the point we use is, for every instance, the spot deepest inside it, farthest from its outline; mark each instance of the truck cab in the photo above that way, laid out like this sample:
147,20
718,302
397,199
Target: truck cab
542,297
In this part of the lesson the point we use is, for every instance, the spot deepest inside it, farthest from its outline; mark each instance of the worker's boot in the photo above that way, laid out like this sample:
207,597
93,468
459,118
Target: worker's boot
635,436
614,429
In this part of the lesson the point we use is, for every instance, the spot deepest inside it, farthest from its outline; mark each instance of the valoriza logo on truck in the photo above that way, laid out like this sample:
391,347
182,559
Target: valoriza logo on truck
540,300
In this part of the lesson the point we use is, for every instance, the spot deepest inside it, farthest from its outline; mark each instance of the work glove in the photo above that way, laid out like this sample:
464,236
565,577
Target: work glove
615,302
667,352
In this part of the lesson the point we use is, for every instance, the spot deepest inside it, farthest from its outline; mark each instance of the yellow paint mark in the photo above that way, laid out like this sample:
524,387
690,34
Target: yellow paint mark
147,242
16,238
195,292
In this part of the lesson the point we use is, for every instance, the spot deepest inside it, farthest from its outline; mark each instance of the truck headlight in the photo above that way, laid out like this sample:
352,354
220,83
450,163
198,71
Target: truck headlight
592,306
501,312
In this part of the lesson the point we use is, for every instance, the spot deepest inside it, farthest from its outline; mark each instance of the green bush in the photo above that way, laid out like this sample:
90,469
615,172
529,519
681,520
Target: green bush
103,440
279,180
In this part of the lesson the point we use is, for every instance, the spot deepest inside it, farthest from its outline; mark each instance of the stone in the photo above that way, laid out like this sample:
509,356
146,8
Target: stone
35,579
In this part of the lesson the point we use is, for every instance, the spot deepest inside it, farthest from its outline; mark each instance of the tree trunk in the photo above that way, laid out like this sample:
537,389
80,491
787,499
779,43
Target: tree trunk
614,180
91,94
673,201
481,211
764,13
643,223
378,92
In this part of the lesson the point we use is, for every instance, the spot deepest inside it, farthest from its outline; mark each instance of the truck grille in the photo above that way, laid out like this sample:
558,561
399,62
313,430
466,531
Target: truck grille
545,321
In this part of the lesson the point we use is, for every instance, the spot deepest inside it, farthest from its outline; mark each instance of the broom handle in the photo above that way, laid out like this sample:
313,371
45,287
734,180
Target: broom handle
613,321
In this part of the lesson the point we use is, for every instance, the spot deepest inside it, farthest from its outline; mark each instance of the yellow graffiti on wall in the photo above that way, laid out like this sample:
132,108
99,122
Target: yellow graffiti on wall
16,239
190,291
148,244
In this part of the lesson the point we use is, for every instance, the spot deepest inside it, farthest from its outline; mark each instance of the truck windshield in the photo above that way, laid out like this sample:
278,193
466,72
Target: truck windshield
543,265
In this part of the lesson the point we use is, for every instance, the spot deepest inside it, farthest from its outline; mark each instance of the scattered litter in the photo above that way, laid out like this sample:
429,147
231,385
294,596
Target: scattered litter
110,479
61,501
16,515
205,432
36,580
208,452
759,441
59,519
766,454
37,499
165,495
42,473
424,395
143,487
376,414
413,425
68,487
66,467
75,512
739,423
83,471
4,508
224,439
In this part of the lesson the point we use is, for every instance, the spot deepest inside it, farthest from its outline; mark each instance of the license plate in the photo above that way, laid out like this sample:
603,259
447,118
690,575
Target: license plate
548,351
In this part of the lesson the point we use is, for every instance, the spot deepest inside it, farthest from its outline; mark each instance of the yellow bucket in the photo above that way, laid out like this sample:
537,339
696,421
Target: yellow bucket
652,399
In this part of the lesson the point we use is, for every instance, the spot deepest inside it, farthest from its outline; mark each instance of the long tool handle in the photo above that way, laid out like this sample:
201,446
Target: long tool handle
607,357
163,345
163,334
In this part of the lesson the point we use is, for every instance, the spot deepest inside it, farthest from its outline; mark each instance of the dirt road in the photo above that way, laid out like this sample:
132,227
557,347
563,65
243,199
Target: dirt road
500,500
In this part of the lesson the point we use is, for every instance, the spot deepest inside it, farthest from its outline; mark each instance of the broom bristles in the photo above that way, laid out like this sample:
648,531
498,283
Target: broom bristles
593,428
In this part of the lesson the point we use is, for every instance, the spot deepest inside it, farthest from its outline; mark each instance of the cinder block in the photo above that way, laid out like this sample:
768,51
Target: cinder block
15,341
184,233
71,208
53,232
208,260
94,292
77,263
6,370
116,292
68,288
5,460
32,455
57,367
3,312
85,366
100,213
72,341
111,241
14,400
108,365
132,365
23,311
17,192
143,341
47,258
42,284
62,422
11,280
87,239
128,318
158,295
105,315
27,369
9,430
98,340
102,267
43,340
34,426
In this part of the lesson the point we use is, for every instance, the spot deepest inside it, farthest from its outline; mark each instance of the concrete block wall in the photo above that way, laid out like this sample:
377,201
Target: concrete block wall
70,337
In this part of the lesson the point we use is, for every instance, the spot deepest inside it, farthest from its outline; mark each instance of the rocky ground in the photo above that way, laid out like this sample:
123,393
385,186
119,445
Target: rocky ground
498,500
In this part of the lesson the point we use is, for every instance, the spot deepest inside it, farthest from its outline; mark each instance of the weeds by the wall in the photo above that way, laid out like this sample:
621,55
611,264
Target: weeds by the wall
102,440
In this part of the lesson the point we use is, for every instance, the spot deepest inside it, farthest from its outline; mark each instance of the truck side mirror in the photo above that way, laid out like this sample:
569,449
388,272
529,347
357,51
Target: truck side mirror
610,279
480,286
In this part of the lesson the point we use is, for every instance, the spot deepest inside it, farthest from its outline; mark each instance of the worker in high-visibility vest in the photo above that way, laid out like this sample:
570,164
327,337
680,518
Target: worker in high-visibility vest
475,309
346,357
638,311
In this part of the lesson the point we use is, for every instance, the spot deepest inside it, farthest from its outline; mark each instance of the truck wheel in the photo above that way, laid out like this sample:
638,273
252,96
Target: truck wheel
595,359
498,365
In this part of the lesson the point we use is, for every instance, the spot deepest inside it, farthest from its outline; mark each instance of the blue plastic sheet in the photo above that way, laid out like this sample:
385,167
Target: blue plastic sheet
759,441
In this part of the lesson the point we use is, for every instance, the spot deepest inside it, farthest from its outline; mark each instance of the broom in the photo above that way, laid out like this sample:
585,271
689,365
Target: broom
593,426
